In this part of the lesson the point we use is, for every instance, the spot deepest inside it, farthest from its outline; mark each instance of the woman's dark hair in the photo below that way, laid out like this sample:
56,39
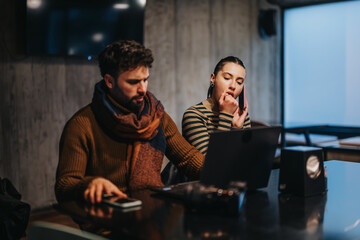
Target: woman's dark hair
123,55
220,65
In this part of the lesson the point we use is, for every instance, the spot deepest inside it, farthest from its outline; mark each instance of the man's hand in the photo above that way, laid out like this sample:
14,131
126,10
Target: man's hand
239,117
99,211
99,186
227,103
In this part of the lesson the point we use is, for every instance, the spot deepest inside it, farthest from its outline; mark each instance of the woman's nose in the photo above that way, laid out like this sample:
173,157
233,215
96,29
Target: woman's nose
232,85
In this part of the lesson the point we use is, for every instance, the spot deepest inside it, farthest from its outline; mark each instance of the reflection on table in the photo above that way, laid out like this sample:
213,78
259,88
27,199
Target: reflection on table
265,214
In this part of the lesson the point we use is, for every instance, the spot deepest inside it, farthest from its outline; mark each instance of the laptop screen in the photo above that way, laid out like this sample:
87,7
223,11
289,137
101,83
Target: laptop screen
240,155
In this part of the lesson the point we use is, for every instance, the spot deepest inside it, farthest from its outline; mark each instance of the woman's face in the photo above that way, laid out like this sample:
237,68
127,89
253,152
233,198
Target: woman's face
230,79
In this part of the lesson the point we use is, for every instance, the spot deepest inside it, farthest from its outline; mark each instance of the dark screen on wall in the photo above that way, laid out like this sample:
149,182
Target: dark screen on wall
81,27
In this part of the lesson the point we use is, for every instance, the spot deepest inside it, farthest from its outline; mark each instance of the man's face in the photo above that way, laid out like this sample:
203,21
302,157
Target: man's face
130,88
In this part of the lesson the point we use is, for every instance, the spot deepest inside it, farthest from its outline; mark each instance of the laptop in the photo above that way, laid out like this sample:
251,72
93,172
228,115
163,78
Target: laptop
235,156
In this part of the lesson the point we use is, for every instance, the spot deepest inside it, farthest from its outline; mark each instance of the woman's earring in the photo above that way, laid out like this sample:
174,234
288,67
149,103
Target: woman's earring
212,84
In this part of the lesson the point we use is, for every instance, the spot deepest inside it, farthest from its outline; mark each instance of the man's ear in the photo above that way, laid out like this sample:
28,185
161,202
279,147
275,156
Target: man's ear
109,81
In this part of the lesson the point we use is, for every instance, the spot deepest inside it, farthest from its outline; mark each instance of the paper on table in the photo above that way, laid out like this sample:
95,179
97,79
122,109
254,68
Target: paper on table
353,141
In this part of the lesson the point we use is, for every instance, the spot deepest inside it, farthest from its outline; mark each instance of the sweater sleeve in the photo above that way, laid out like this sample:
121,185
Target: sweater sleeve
186,157
195,128
247,122
73,157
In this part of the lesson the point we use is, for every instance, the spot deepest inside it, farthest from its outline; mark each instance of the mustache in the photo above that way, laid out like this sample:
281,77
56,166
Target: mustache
139,95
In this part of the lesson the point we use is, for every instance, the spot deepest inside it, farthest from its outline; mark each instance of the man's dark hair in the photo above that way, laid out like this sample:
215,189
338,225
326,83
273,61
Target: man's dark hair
220,65
123,55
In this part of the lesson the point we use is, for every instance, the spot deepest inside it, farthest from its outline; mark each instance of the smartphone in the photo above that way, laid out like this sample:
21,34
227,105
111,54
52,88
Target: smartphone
115,201
242,100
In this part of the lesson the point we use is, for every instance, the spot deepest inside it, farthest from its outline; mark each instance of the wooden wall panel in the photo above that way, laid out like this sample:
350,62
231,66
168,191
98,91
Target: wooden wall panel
35,107
264,75
192,53
160,38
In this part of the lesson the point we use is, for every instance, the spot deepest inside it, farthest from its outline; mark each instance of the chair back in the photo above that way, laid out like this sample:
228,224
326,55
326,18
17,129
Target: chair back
45,230
255,123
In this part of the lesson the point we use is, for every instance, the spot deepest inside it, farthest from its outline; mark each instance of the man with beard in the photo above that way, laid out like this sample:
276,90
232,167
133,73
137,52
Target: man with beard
117,142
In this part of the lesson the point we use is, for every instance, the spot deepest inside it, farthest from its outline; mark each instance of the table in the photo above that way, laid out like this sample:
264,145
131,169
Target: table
265,214
323,136
334,150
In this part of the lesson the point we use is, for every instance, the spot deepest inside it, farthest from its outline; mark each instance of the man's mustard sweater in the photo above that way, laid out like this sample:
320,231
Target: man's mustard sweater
87,152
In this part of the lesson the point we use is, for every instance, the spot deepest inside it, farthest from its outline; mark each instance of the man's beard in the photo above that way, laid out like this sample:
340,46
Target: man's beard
131,104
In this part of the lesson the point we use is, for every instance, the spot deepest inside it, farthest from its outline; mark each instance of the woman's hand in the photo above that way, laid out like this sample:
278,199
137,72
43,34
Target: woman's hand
99,186
239,117
227,103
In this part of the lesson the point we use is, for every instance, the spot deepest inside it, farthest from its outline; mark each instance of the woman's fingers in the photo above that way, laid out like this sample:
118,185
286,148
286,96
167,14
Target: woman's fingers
227,103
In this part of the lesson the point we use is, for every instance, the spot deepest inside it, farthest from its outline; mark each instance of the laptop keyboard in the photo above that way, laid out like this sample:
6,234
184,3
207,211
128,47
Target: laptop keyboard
180,189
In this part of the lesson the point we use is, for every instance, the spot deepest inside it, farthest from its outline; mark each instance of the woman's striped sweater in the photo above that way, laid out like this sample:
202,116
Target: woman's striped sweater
199,120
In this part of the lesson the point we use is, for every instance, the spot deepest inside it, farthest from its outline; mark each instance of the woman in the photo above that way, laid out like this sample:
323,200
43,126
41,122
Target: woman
220,111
